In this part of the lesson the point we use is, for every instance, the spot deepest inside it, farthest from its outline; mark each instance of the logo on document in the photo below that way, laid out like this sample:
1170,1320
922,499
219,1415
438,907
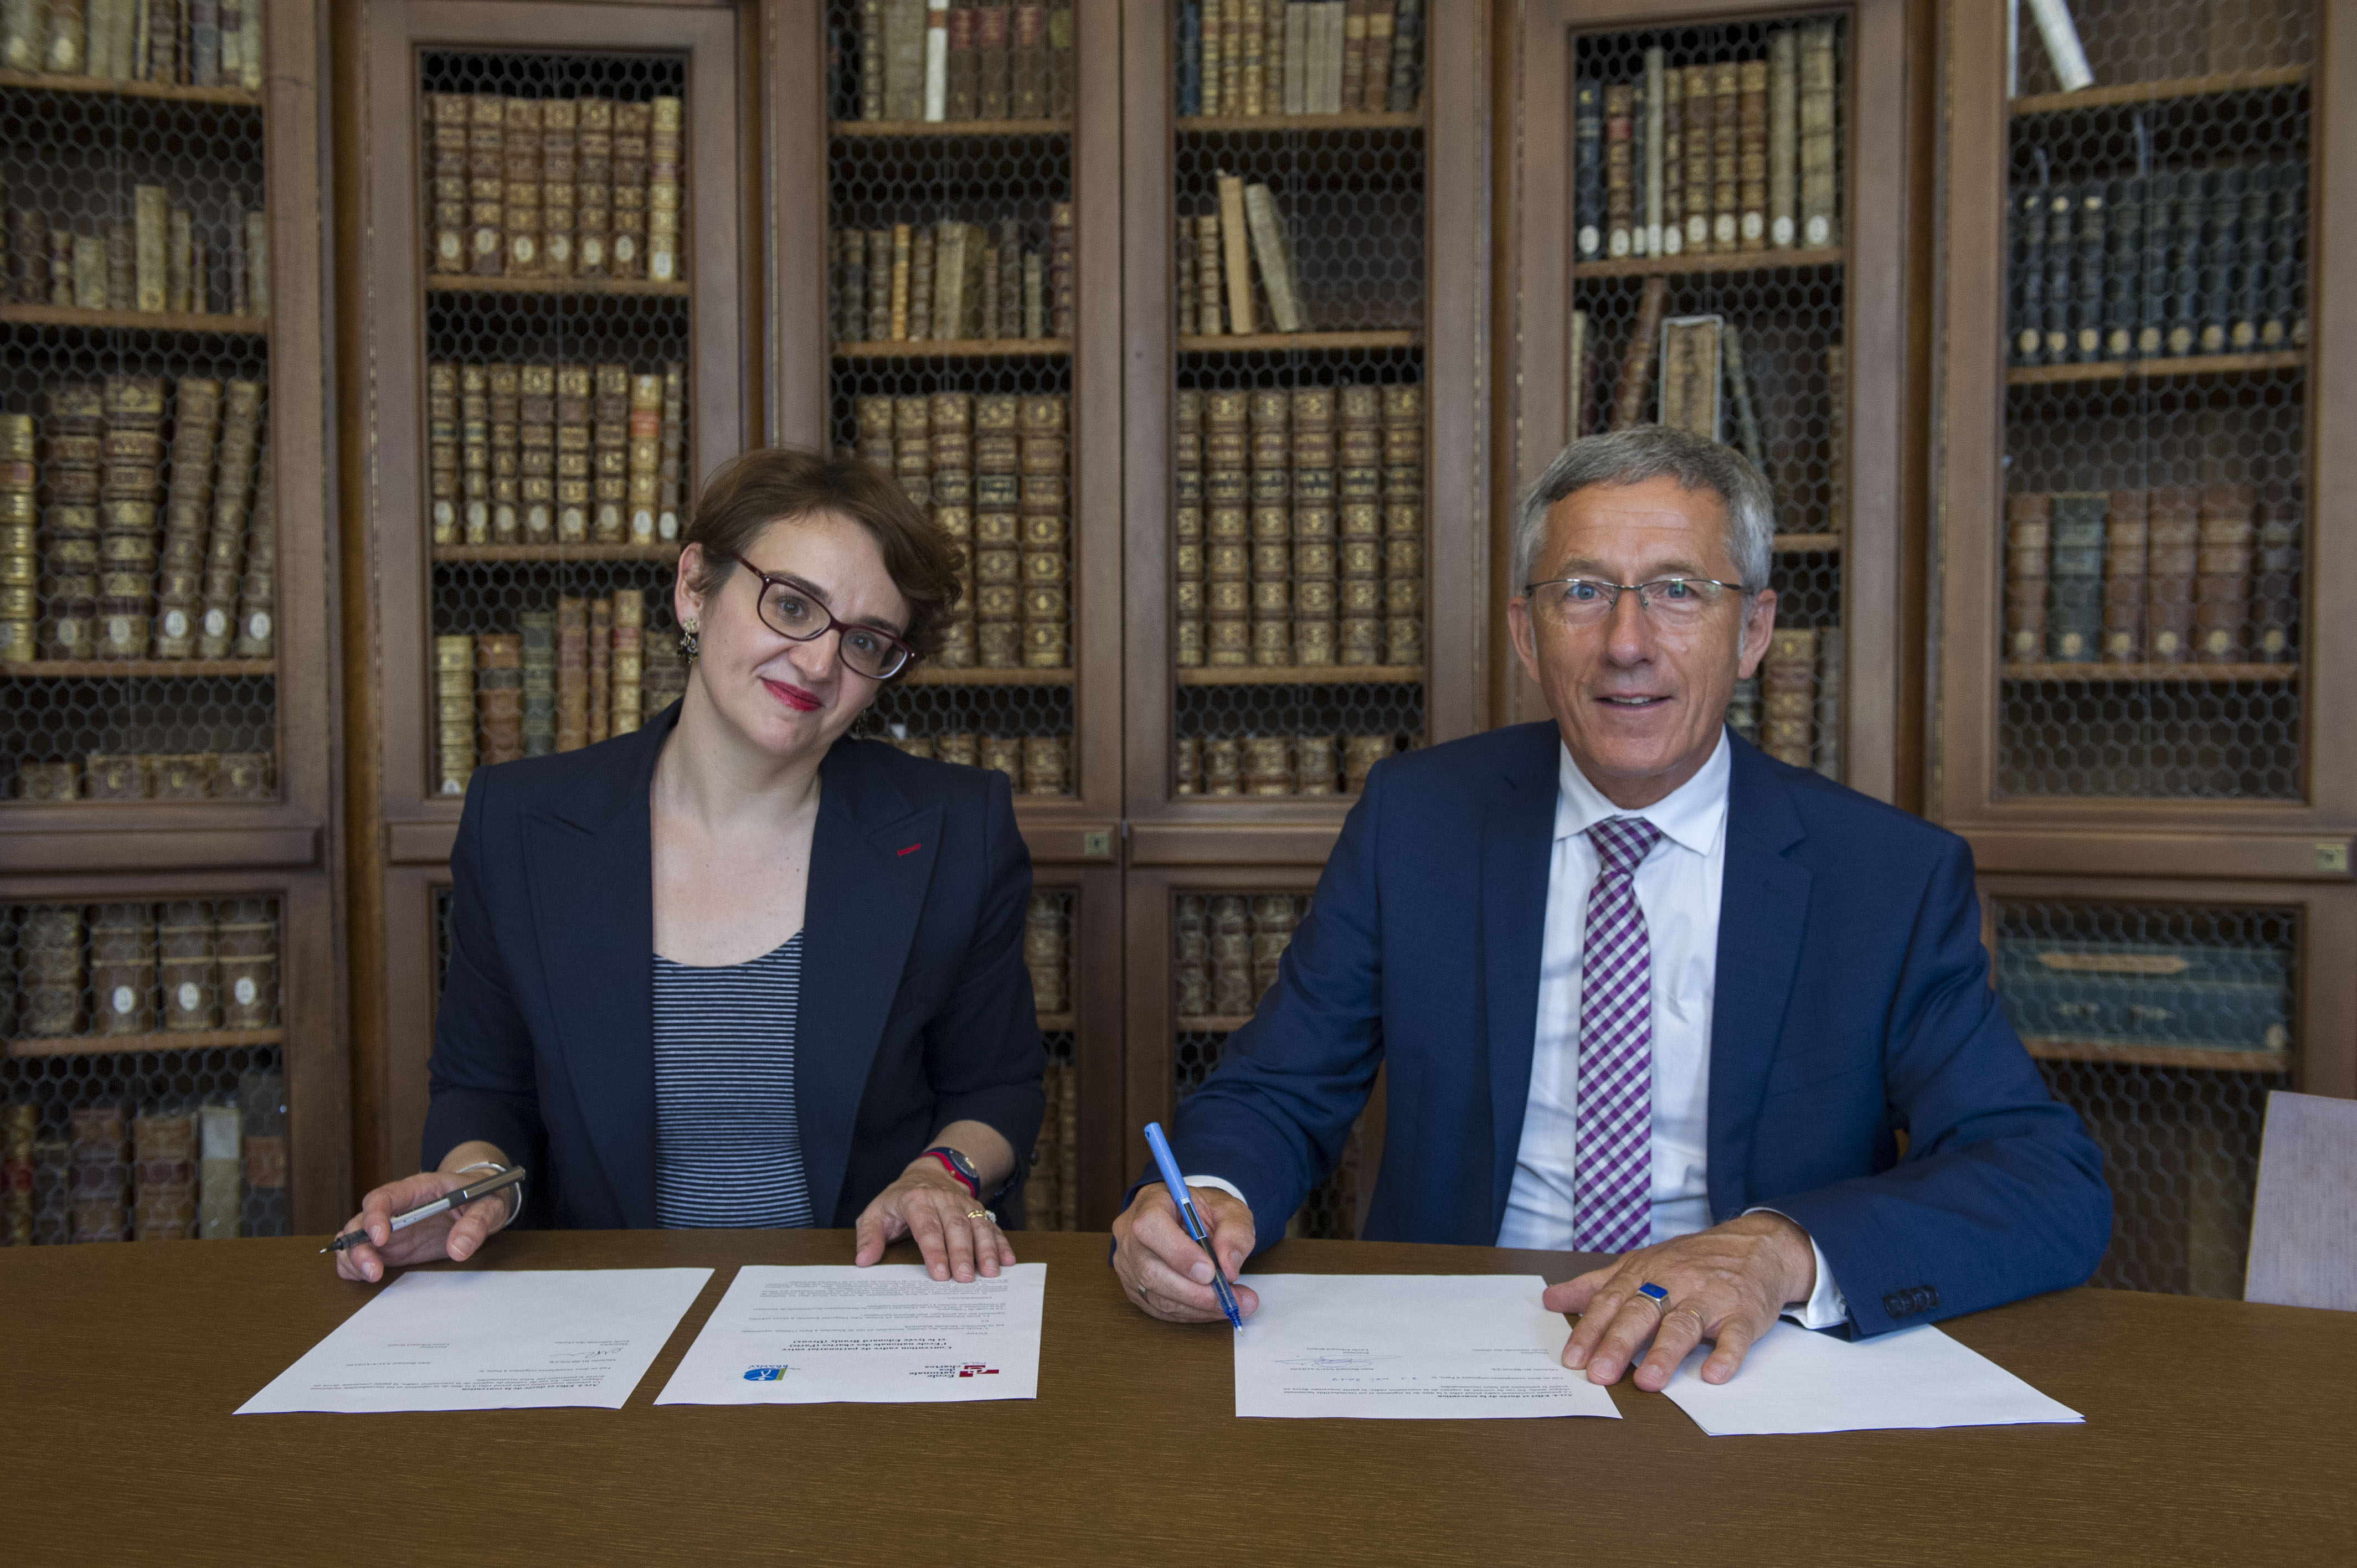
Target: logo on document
766,1374
976,1369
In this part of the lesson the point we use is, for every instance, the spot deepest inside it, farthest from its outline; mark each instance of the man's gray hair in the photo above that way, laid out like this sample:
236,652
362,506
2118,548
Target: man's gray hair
1645,452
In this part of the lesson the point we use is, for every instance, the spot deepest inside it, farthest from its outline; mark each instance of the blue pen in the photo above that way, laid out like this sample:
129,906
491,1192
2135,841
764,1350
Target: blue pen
1190,1220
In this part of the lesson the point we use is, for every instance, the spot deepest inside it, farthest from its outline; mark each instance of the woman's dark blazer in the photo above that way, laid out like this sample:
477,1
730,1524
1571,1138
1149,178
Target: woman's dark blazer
916,1006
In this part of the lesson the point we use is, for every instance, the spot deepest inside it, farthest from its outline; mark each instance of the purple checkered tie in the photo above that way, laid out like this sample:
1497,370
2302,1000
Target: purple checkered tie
1613,1183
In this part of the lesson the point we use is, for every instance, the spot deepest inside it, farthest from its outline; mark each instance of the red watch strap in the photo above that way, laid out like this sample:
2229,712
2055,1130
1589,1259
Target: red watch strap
950,1166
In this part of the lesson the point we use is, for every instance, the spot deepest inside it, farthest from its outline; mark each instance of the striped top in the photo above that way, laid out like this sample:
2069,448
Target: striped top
727,1148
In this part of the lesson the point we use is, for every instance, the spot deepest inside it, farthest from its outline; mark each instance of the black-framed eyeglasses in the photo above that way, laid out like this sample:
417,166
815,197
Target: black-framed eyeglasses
794,613
1583,601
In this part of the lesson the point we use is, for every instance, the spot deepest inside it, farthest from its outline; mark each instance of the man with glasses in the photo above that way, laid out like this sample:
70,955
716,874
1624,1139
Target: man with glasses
1640,990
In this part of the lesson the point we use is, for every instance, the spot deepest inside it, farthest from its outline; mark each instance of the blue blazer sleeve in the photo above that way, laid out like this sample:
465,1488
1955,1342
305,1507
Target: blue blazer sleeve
481,1076
2001,1195
1277,1115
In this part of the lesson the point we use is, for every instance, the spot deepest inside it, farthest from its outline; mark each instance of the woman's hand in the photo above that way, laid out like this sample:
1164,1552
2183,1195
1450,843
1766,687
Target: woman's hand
952,1229
456,1234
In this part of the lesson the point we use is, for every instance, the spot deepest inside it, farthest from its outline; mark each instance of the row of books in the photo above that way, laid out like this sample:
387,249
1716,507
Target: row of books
1793,709
163,259
943,60
1227,947
132,969
2165,265
1052,1195
570,677
1034,764
556,187
953,281
1254,58
1298,522
1223,252
109,551
993,471
1277,764
1047,950
2163,575
187,43
1722,156
555,454
151,776
176,1172
1687,371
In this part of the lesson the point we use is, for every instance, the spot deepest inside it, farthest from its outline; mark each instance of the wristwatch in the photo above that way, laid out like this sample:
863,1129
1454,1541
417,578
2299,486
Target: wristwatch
958,1167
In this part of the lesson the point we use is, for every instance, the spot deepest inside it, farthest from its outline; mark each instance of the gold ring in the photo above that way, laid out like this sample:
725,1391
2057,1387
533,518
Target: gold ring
977,1214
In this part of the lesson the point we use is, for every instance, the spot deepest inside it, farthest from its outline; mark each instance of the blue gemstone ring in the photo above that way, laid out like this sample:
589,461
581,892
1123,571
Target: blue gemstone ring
1655,1294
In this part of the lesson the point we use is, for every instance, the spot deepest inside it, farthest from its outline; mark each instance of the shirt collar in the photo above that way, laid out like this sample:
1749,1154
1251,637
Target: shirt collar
1693,815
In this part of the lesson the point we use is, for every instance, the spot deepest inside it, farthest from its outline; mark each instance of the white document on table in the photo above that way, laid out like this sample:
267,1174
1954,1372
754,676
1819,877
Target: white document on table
888,1335
498,1339
1796,1380
1408,1348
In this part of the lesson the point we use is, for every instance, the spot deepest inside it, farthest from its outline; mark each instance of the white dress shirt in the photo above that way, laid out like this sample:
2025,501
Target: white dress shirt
1677,887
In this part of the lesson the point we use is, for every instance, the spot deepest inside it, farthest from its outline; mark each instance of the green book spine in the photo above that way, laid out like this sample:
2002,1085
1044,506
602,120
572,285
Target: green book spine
2152,305
2123,267
2185,262
2029,291
2074,592
539,681
2221,249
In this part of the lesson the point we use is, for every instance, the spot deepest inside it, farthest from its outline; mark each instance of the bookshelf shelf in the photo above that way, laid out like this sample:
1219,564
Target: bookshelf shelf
106,87
133,320
1806,543
2159,369
1212,1023
1229,125
136,668
591,287
1713,261
958,348
2200,1059
2175,674
126,1045
2139,92
1303,675
932,676
1299,342
553,554
909,128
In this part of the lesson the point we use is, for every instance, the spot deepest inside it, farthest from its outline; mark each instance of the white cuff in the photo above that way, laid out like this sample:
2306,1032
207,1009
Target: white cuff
1826,1307
1227,1186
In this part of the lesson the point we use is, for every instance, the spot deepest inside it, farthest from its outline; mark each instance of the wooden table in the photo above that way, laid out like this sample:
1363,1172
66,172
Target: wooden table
2216,1431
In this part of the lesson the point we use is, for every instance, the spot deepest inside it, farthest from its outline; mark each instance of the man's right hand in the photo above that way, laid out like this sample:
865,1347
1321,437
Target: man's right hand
1163,1270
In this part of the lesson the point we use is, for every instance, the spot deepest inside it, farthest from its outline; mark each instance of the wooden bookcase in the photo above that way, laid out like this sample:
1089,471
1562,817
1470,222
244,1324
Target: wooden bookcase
1826,330
2132,808
402,590
76,147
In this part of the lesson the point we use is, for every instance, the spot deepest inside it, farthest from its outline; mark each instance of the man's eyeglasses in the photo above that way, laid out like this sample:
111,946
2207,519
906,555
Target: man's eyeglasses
790,610
1583,601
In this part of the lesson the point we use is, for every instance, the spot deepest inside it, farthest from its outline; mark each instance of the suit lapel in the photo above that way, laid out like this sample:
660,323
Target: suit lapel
1763,908
591,867
1517,852
872,859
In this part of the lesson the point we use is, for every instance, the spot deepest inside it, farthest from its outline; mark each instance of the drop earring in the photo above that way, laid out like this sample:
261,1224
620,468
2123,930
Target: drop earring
687,645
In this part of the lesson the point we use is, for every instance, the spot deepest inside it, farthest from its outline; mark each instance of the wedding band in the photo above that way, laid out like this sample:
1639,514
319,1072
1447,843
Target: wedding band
977,1214
1655,1294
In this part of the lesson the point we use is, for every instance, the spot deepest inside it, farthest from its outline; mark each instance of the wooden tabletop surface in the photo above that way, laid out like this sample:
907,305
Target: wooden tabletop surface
2216,1431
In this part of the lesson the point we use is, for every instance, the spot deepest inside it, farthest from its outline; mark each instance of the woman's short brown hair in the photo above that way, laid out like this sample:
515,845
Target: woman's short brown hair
772,483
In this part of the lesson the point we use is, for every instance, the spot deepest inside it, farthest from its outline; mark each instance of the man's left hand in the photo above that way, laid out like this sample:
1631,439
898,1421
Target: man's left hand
1728,1284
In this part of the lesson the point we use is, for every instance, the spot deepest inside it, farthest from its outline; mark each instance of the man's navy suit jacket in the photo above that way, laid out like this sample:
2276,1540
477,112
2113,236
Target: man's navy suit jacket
915,1008
1853,1002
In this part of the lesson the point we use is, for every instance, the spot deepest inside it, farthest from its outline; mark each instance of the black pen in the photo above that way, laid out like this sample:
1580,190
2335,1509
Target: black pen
448,1201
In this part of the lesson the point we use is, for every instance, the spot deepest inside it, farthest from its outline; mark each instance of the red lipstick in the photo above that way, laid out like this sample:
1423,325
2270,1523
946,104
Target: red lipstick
794,697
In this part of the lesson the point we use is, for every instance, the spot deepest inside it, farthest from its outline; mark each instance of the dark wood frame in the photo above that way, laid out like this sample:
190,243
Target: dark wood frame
1300,831
400,835
1535,289
284,847
2293,840
1083,826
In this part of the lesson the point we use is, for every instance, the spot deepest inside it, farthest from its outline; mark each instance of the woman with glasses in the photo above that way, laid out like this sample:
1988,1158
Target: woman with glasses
738,968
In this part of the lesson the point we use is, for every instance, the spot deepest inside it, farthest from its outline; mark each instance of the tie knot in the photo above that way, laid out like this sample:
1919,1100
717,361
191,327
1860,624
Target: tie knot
1623,841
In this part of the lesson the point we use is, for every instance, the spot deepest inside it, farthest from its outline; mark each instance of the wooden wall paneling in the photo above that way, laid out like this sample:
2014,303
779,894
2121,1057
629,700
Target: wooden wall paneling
1535,264
1456,372
2085,833
794,109
319,1151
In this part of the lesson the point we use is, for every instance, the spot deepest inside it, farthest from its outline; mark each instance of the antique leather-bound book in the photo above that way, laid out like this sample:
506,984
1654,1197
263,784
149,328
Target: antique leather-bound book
2123,266
2173,542
1587,170
1819,142
2091,247
2222,594
1619,175
609,453
1026,61
505,402
2125,533
1752,155
164,1206
2075,589
486,184
666,254
1727,156
100,1150
448,169
499,697
520,155
2275,580
634,135
454,704
559,192
628,661
1788,699
593,186
572,673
